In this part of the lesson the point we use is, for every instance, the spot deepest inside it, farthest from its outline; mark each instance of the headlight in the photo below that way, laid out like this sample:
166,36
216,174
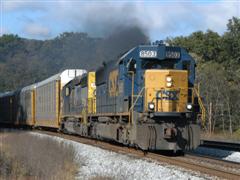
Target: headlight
189,107
151,106
168,79
169,84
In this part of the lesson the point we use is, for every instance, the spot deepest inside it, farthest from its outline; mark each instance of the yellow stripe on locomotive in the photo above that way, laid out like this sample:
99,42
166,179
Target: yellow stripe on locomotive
91,93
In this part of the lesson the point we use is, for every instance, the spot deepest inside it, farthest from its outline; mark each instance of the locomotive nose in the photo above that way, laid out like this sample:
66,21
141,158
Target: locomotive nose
166,91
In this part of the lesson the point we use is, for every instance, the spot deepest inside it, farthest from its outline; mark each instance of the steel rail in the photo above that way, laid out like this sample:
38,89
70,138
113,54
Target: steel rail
232,146
214,159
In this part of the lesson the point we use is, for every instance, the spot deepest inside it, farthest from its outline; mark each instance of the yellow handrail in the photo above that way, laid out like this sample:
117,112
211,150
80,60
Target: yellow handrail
203,110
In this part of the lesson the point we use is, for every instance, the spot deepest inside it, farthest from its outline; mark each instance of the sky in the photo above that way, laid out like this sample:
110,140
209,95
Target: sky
46,19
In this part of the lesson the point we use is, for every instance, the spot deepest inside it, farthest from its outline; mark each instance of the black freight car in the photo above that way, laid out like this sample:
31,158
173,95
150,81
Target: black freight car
9,108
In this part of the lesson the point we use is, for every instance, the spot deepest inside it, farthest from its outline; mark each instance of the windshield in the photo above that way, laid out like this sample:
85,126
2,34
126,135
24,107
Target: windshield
158,64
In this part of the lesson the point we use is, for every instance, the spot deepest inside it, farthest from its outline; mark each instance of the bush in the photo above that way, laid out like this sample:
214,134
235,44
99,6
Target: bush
237,133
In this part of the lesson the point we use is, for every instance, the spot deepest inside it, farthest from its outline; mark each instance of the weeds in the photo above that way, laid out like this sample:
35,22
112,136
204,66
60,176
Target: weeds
24,156
222,136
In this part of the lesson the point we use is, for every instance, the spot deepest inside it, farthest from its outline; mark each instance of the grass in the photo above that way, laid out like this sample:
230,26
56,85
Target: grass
23,156
222,136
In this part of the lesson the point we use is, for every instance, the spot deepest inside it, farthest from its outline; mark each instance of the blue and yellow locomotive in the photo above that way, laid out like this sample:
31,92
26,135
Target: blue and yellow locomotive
145,99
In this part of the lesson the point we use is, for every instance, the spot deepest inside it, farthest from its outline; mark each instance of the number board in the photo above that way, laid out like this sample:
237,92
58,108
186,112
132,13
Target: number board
148,54
173,54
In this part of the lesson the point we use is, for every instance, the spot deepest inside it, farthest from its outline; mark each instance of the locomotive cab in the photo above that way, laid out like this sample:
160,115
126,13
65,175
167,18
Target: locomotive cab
166,76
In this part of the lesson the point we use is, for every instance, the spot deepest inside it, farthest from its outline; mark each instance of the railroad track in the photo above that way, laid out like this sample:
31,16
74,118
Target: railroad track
221,145
205,165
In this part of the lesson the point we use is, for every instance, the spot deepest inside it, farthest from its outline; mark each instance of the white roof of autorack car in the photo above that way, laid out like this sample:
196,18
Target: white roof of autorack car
65,76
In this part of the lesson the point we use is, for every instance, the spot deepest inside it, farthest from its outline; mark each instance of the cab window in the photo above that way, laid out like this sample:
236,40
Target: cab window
158,64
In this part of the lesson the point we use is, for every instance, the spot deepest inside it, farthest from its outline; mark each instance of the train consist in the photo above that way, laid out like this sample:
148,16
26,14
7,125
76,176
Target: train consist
144,99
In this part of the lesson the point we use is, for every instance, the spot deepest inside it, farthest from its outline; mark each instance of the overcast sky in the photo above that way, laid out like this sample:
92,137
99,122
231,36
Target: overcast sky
44,19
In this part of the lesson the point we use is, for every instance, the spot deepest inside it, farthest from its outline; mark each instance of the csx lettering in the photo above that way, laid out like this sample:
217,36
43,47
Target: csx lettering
168,95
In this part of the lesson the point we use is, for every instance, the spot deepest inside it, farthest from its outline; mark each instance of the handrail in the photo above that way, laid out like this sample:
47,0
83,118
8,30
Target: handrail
203,110
202,107
139,94
134,103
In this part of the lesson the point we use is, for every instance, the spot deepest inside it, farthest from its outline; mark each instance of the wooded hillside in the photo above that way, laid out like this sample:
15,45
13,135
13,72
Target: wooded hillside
218,71
25,61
